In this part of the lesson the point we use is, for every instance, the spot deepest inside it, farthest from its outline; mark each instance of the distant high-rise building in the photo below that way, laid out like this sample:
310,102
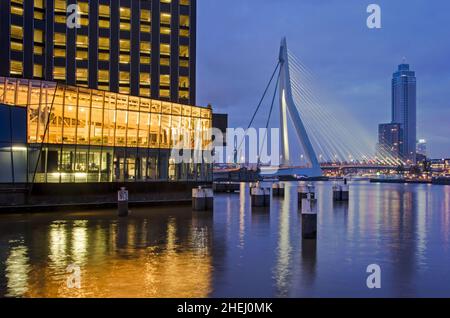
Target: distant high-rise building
404,109
422,147
390,140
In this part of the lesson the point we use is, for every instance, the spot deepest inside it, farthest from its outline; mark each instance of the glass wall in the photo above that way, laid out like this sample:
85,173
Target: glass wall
75,134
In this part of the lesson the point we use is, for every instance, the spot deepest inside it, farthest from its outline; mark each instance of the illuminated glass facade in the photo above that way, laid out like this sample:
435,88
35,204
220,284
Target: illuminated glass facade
58,133
138,47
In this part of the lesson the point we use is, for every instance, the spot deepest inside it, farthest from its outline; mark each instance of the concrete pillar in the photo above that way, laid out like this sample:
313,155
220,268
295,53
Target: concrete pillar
309,218
344,192
122,202
198,199
281,189
209,199
276,189
257,195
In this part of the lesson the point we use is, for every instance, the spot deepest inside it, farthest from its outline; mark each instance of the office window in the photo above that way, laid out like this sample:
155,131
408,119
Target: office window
16,32
38,50
38,15
146,16
38,36
103,76
102,56
103,11
144,79
124,45
184,63
125,26
37,70
17,46
165,49
145,59
103,43
165,30
60,6
59,73
104,24
60,19
184,20
60,39
82,55
164,93
164,80
84,21
82,74
82,41
184,82
39,4
124,77
145,47
184,51
124,90
17,10
84,8
125,13
59,52
166,1
164,61
124,58
184,32
183,94
165,18
146,28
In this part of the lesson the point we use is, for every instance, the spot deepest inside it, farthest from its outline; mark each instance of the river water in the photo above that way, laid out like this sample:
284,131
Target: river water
236,251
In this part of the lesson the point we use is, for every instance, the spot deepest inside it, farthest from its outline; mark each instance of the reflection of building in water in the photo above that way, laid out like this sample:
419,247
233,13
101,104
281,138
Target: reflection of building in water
308,261
170,257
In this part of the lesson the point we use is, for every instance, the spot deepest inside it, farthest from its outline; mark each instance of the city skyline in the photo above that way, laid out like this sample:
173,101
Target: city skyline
354,64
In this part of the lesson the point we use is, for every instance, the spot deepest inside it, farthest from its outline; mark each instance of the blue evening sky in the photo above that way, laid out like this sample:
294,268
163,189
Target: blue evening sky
238,43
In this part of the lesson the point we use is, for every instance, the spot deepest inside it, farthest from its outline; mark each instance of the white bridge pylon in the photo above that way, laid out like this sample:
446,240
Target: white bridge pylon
288,110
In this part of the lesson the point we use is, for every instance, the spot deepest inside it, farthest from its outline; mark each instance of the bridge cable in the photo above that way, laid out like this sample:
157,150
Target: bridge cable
259,105
268,118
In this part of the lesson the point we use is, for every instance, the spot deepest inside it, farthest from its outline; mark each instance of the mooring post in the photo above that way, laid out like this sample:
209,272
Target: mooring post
122,202
198,199
309,218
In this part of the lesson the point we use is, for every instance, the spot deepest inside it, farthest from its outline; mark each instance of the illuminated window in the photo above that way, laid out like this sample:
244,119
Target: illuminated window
16,32
16,67
165,49
144,91
164,61
146,16
60,39
38,50
103,43
184,63
60,19
38,15
102,56
60,6
124,90
38,36
125,13
164,80
165,30
184,82
124,45
84,21
184,2
39,4
184,32
82,74
165,18
144,78
103,24
165,93
82,55
184,51
16,46
103,76
124,58
84,8
146,28
166,1
184,20
145,60
145,47
59,52
183,94
125,26
16,10
103,11
59,73
82,41
124,77
37,70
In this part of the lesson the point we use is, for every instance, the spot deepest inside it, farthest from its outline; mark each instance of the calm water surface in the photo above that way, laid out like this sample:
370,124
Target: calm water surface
237,251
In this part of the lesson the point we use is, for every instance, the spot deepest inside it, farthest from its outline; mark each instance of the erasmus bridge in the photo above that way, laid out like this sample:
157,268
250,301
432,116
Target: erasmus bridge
312,137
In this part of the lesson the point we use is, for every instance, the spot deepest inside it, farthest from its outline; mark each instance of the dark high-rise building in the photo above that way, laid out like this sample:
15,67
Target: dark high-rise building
390,140
404,108
139,47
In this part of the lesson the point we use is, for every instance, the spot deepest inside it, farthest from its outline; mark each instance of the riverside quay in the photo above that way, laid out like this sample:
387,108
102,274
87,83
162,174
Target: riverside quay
55,133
